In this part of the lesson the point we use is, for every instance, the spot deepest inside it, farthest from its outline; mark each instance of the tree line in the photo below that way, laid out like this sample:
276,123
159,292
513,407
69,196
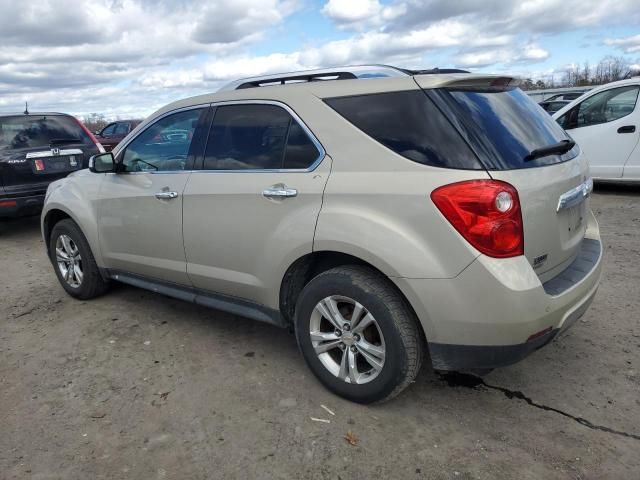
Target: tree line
609,69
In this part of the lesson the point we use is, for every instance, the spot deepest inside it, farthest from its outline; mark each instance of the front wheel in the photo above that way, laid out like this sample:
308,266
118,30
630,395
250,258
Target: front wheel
358,335
73,261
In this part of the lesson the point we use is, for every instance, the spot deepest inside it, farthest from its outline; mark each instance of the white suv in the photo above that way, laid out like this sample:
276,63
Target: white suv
379,212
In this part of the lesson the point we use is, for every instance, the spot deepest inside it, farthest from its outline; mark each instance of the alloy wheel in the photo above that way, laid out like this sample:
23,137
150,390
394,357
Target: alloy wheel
69,261
347,339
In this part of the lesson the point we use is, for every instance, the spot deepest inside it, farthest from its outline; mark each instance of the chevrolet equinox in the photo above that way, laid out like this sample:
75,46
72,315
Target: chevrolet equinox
380,213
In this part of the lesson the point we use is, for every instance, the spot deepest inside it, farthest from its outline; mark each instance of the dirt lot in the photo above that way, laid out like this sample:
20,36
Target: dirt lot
135,385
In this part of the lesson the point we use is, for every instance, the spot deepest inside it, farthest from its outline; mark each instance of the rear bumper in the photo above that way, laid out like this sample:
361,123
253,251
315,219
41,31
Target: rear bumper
21,206
496,312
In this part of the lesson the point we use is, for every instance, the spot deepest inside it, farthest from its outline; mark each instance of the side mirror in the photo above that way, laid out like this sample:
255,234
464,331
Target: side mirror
97,133
102,163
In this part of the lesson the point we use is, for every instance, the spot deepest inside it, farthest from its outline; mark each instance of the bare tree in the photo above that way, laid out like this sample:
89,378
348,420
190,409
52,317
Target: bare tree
585,75
95,121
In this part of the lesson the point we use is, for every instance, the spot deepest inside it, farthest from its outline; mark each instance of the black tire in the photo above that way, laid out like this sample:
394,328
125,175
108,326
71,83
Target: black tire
92,284
403,338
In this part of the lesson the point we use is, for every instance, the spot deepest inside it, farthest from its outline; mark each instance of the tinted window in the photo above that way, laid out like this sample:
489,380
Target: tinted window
300,152
411,125
109,129
602,107
164,146
122,129
38,131
260,137
503,126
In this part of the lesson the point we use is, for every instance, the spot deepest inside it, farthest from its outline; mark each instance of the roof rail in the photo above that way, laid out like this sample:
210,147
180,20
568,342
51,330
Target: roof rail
337,73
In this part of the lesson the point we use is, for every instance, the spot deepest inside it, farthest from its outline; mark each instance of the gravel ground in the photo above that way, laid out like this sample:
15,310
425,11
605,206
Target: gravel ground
136,385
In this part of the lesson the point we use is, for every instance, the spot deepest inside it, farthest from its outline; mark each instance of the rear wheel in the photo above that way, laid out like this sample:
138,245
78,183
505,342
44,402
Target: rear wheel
73,261
357,334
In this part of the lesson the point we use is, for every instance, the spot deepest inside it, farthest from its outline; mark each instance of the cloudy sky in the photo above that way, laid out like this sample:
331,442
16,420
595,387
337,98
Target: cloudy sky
128,57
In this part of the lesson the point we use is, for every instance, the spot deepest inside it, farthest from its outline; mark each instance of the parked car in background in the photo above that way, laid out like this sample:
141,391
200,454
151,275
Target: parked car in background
35,150
605,122
113,133
564,96
377,217
552,106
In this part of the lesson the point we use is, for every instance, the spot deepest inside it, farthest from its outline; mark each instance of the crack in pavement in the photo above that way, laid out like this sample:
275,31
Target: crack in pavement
457,379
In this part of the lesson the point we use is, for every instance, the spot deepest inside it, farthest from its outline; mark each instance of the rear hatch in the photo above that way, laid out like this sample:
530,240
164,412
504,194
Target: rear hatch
507,129
38,149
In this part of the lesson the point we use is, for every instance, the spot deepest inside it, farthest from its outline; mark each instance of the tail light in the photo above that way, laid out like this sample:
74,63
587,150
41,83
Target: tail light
91,136
486,213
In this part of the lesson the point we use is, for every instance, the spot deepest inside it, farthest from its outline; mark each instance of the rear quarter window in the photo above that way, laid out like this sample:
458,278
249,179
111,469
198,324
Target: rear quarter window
411,125
35,131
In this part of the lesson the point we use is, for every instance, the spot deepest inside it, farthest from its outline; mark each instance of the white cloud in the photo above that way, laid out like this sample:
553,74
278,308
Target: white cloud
507,56
627,44
359,14
124,56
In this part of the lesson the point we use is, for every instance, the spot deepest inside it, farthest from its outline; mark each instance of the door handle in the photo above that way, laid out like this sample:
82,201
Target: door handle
627,129
166,195
280,191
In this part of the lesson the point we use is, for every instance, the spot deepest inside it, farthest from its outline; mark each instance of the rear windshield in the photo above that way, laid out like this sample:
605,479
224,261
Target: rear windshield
40,131
503,126
410,124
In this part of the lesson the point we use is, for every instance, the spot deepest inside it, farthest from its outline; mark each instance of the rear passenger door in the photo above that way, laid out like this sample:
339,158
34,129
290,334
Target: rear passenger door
251,209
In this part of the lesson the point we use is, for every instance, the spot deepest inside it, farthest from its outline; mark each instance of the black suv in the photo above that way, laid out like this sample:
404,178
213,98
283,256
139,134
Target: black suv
35,150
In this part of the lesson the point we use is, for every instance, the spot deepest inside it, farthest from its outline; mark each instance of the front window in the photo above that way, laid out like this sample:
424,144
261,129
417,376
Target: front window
109,130
603,107
164,146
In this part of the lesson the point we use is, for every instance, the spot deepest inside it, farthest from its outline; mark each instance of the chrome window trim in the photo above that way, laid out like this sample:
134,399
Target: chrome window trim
321,151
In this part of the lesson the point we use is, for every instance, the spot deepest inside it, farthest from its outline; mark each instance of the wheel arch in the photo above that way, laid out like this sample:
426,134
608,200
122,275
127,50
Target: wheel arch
55,212
307,267
49,219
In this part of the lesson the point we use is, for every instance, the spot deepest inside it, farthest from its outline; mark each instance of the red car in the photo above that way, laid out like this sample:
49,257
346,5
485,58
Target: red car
112,134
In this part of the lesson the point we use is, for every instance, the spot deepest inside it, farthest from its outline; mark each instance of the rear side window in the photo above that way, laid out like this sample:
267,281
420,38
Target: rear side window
257,137
35,131
410,124
504,126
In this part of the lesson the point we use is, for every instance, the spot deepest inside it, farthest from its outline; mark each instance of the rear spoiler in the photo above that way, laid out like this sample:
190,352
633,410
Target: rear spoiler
468,82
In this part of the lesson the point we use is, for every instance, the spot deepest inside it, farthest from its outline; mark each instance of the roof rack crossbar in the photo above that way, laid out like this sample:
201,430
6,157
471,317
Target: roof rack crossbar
298,78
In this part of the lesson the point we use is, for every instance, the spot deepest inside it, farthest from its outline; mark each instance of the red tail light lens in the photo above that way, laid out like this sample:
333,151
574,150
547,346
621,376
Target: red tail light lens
486,213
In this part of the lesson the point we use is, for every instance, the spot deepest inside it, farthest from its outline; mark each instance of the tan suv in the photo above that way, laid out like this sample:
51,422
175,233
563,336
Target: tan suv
379,212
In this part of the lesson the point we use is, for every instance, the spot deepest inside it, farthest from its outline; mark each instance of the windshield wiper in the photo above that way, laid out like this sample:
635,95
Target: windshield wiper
557,148
63,141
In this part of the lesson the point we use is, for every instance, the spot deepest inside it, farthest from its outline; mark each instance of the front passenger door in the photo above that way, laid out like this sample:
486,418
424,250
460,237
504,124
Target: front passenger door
140,208
607,128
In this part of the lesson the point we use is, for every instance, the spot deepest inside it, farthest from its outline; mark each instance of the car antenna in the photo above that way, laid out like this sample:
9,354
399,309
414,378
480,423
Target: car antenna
26,108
